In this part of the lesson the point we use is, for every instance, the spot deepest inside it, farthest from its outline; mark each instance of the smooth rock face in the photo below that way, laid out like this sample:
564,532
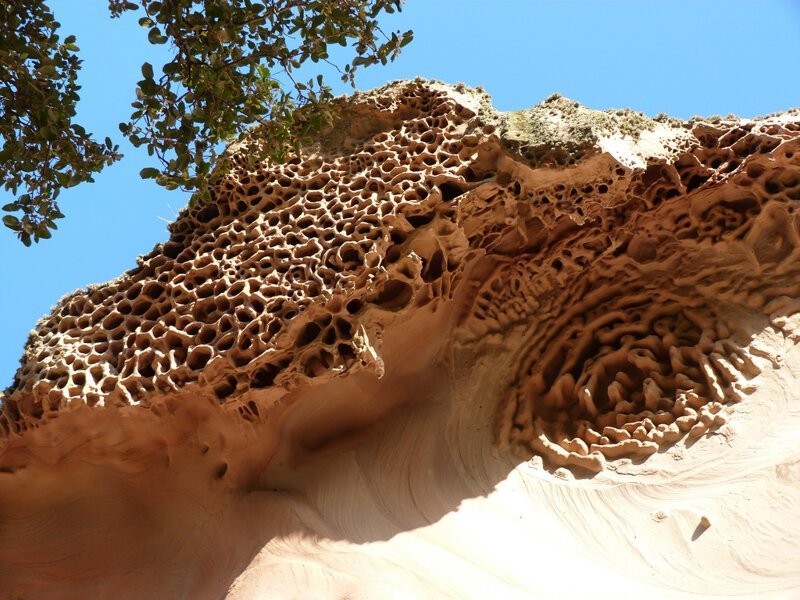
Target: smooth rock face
446,352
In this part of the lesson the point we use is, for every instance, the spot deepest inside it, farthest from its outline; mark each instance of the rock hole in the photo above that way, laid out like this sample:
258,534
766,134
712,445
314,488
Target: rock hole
450,191
419,220
198,358
264,377
354,306
394,294
434,268
308,334
225,388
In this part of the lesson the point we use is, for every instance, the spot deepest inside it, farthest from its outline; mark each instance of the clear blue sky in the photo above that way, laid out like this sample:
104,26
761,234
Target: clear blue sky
682,57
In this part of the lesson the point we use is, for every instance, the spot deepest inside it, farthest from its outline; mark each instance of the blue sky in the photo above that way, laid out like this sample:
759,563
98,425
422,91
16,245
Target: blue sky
682,57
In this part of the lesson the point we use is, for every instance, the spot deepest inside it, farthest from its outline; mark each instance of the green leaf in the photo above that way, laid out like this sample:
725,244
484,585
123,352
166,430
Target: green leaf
220,81
11,222
155,37
149,173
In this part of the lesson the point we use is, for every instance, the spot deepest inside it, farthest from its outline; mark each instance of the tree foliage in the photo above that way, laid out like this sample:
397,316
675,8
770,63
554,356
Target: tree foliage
233,66
43,150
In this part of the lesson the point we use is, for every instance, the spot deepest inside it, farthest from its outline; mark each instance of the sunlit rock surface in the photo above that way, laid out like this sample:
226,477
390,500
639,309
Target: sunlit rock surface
446,352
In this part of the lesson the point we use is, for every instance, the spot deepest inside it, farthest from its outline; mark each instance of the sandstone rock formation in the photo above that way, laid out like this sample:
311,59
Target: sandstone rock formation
445,352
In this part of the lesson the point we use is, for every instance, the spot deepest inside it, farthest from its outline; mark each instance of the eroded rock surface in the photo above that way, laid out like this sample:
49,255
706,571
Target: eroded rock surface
595,291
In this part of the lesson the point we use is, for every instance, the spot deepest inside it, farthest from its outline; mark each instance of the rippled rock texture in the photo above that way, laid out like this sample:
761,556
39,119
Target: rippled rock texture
447,351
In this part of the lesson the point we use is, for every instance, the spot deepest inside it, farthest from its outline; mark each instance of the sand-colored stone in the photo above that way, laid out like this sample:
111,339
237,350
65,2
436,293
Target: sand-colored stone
445,352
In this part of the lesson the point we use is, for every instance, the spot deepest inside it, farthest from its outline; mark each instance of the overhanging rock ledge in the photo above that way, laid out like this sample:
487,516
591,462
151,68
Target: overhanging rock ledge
595,300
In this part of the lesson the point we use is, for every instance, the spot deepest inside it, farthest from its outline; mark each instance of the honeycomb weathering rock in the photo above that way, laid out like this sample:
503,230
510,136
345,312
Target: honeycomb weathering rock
615,274
600,286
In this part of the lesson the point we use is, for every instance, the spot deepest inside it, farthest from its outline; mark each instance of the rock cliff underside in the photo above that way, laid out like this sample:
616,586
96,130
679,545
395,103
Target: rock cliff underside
445,352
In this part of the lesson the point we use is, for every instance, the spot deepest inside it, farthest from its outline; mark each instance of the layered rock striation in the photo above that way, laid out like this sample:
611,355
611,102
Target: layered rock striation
592,291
